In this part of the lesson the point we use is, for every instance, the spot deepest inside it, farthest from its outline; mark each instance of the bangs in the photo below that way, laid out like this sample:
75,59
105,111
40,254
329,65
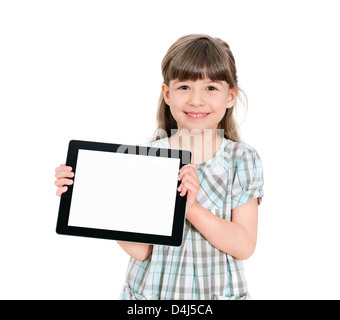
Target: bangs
199,60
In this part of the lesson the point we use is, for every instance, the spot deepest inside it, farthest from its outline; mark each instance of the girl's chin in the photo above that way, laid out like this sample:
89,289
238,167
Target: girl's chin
192,129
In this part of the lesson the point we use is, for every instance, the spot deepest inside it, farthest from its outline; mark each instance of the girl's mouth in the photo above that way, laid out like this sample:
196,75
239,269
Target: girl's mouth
196,115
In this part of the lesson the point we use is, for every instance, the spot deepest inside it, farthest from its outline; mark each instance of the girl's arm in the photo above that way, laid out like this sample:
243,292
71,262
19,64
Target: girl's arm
138,251
236,237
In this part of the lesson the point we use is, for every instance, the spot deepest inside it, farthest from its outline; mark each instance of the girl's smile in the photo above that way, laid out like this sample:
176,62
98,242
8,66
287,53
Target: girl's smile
196,115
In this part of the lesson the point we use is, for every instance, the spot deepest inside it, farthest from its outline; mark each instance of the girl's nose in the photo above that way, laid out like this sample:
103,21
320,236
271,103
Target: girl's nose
196,98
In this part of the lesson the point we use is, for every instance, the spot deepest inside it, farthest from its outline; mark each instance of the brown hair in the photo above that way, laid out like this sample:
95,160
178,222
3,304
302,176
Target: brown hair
194,57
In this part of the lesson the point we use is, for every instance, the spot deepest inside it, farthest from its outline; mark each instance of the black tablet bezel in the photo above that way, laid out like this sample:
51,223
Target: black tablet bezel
65,201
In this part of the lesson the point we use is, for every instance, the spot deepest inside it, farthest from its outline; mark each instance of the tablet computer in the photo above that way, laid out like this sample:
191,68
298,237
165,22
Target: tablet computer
124,192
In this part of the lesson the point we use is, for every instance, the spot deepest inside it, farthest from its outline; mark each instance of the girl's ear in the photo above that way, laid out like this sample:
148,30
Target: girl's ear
232,97
166,93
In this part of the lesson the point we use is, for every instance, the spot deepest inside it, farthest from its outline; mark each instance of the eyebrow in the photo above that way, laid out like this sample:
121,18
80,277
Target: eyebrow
210,81
216,81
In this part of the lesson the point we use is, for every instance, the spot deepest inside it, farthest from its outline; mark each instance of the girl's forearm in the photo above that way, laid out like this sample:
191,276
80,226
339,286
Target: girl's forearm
227,236
138,251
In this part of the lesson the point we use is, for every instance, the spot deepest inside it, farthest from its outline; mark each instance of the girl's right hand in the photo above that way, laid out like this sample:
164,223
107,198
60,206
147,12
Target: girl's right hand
62,173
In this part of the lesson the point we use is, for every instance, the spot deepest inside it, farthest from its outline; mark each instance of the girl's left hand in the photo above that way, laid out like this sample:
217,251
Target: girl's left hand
189,183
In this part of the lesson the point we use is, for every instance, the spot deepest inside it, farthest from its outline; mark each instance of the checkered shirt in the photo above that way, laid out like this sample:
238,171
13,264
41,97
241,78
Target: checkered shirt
196,270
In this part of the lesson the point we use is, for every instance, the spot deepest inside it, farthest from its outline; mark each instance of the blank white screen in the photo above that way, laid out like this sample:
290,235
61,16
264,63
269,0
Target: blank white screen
124,192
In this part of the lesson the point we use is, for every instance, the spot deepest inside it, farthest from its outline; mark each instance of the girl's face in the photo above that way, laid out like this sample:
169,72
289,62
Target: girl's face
199,104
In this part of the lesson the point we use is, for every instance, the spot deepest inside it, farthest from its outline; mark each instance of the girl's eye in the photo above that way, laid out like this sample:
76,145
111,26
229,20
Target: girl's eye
210,88
183,87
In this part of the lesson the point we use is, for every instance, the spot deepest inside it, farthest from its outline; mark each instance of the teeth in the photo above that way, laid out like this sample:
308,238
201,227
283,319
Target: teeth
197,115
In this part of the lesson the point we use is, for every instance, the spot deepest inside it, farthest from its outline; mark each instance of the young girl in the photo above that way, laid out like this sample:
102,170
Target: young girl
223,183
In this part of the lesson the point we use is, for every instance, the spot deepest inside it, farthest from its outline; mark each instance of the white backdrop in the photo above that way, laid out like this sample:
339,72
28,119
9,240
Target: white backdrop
90,70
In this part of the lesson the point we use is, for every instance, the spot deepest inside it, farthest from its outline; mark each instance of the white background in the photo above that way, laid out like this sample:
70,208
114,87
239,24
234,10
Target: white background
90,70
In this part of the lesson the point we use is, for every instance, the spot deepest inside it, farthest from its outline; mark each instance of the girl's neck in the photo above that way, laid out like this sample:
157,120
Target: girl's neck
203,146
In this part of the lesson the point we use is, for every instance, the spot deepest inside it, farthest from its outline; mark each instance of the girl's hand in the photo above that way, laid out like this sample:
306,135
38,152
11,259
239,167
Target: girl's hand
61,173
189,183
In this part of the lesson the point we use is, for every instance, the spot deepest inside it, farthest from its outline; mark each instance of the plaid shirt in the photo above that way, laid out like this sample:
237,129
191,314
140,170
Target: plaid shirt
196,270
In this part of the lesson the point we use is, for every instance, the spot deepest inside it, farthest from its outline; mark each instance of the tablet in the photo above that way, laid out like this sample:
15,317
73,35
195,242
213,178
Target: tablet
124,192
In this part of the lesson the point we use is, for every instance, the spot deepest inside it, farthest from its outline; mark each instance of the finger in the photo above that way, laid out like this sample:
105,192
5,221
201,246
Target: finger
188,173
62,182
191,179
61,190
64,174
185,170
192,188
63,168
189,165
182,190
188,187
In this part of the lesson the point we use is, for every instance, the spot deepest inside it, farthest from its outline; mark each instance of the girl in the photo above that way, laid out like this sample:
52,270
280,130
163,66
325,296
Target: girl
223,183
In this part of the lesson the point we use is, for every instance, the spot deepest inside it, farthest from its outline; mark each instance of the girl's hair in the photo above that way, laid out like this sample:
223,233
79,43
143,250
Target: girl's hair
194,57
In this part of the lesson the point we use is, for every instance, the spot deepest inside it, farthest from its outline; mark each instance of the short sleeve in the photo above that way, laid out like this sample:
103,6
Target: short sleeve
248,178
